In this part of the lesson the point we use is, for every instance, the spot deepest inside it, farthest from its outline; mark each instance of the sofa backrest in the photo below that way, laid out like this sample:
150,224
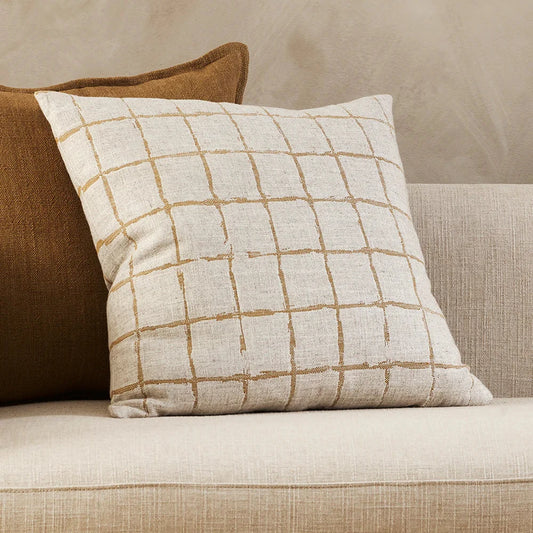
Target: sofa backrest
478,245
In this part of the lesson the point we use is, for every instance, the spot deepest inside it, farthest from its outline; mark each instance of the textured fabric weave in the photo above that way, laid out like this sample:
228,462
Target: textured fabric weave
478,244
444,469
53,332
257,258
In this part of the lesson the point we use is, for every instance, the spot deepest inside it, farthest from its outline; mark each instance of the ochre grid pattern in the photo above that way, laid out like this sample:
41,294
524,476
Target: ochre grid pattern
328,159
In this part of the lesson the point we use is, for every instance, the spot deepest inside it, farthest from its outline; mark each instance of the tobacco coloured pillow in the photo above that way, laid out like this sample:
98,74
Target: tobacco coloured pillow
257,259
53,327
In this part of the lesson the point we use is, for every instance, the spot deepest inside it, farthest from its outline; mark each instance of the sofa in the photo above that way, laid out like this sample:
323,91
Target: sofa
68,466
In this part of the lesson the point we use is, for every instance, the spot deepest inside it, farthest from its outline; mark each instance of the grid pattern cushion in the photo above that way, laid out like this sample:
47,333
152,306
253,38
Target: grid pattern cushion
257,259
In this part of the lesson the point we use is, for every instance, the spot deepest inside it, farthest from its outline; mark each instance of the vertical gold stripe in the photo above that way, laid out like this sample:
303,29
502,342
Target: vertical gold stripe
218,206
188,333
415,288
386,334
340,333
140,372
292,338
107,188
168,211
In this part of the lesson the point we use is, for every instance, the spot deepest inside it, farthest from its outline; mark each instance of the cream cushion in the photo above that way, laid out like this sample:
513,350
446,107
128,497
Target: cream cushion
69,467
257,259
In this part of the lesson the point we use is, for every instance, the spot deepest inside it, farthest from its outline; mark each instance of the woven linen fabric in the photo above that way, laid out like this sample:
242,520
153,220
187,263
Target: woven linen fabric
479,263
257,259
53,330
358,470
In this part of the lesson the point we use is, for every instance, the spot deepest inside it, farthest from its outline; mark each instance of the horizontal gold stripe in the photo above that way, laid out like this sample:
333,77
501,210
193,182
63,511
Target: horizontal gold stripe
270,312
272,374
69,133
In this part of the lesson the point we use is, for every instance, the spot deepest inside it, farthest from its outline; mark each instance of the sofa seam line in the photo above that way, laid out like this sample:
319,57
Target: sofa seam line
266,486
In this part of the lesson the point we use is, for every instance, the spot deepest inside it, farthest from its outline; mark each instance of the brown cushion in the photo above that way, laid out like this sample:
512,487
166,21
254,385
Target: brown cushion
53,333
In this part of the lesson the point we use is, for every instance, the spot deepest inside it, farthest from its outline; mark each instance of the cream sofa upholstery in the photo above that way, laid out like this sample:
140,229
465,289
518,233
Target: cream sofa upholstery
70,467
67,466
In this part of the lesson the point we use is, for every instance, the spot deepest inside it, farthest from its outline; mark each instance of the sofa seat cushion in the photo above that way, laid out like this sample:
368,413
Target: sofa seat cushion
68,466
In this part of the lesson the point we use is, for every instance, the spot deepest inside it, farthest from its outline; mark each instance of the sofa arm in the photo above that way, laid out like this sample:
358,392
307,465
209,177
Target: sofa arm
478,245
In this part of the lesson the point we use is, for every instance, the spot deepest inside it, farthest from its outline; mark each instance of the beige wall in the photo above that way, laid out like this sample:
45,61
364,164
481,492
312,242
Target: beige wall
458,69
